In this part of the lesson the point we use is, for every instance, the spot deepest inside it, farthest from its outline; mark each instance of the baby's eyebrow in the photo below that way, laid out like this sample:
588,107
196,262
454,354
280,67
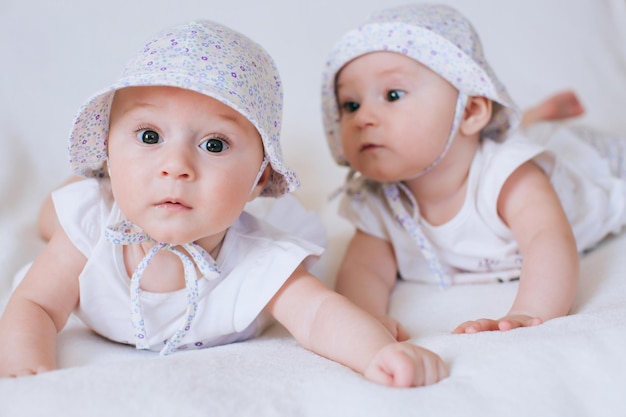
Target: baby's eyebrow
338,86
230,117
135,107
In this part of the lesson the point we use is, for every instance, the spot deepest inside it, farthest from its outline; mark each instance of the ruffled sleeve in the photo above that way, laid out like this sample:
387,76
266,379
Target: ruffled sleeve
82,211
258,259
286,213
264,273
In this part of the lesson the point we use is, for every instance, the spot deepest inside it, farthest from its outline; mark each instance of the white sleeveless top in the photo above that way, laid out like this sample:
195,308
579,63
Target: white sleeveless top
255,260
475,245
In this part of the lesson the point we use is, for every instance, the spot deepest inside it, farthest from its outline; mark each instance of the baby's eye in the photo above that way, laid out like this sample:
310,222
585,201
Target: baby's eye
393,95
148,136
350,106
214,145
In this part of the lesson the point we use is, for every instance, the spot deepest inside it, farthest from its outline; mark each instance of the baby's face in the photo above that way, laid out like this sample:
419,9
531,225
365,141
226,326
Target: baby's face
182,164
395,115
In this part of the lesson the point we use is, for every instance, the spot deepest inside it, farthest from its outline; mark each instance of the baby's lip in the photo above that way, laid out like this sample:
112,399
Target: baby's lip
368,146
172,202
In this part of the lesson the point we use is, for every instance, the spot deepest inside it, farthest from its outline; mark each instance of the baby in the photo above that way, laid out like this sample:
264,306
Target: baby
155,249
443,187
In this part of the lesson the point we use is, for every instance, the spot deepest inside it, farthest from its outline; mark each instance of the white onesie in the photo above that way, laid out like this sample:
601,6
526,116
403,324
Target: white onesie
254,261
475,245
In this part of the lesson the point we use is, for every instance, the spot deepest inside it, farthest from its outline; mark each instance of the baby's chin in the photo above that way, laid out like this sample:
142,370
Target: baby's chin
387,177
381,172
176,238
173,237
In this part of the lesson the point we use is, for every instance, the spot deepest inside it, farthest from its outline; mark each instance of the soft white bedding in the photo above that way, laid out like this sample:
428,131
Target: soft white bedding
56,54
572,366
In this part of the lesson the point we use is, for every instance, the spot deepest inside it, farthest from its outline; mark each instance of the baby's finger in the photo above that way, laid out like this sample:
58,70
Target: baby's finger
23,372
394,369
462,328
475,326
510,323
378,375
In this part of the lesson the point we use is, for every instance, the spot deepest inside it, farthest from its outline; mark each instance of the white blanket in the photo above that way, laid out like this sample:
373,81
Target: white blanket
56,54
572,366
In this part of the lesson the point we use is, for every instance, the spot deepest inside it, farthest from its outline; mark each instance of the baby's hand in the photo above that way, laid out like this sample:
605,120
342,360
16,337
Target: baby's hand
14,373
508,322
394,327
513,321
406,365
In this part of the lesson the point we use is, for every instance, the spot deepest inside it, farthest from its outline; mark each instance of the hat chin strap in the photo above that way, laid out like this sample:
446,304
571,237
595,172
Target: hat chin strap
126,233
261,170
410,221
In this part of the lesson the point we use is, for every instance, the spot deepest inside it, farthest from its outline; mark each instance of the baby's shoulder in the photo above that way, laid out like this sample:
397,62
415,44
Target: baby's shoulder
254,236
83,209
494,157
88,192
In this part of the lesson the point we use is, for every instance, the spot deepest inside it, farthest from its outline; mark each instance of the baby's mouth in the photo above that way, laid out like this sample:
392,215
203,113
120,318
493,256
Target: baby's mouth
173,204
368,147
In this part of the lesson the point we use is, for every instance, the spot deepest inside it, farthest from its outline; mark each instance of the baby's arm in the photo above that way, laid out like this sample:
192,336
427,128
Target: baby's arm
367,276
39,309
47,222
330,325
529,205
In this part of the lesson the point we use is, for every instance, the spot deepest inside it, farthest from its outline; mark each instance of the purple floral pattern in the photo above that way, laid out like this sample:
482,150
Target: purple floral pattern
202,56
434,35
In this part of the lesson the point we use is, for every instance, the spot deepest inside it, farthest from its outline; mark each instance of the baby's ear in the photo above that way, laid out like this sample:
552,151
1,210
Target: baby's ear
477,115
261,183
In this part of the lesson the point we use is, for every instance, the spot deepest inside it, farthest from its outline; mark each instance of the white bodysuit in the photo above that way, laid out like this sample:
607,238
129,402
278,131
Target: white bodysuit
254,261
475,245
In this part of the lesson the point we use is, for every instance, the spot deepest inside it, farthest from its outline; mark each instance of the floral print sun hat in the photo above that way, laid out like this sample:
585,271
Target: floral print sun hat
205,57
438,37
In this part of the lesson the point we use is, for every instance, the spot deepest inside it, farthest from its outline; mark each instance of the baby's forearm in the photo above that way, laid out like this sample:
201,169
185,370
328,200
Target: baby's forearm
368,273
545,302
347,334
328,323
28,337
549,279
369,293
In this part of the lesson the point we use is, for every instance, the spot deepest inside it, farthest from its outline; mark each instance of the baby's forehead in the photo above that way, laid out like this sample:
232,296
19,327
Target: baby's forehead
153,95
384,66
146,95
143,100
388,61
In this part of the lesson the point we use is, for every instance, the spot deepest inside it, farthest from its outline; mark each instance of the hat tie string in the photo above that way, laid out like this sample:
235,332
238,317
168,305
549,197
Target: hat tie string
126,233
410,222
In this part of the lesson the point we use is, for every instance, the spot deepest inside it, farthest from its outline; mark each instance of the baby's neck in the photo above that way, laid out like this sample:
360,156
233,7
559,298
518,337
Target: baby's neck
213,244
165,272
440,193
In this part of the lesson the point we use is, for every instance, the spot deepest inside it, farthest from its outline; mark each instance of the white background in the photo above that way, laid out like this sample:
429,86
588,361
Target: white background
55,54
